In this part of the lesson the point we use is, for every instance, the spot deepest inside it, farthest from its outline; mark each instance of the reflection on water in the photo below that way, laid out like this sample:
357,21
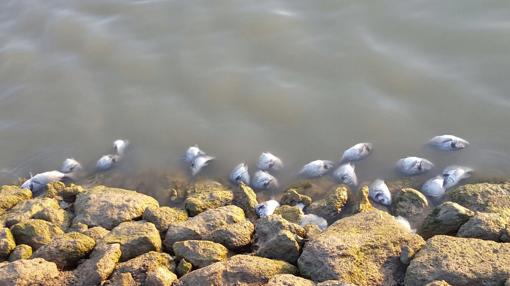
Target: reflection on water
302,79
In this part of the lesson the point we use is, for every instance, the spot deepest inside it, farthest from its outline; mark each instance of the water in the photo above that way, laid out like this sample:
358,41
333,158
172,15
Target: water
302,79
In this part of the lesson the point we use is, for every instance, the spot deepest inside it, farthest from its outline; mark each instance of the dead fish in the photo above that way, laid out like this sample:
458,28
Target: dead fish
199,163
269,162
120,146
316,168
240,174
69,165
107,162
345,174
38,182
433,187
192,153
452,175
411,166
314,219
448,143
357,152
262,180
266,208
379,192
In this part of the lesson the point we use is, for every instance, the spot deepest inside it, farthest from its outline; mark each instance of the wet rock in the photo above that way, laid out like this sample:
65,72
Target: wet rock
200,252
99,266
276,238
11,196
108,207
26,209
22,251
140,266
66,250
35,232
97,233
289,280
488,226
445,219
183,268
27,272
460,261
484,197
290,213
7,243
291,197
160,276
246,199
411,204
226,225
207,195
238,270
135,238
164,216
363,249
331,206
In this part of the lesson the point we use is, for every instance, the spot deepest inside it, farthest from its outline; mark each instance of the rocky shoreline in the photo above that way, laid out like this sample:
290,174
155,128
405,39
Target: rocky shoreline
74,235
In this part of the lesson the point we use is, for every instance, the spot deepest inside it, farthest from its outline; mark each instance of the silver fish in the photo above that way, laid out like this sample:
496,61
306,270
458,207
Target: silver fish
69,165
345,174
452,175
314,219
357,152
448,143
107,162
316,168
266,208
192,153
199,163
433,187
240,174
262,180
38,182
269,162
411,166
380,193
120,146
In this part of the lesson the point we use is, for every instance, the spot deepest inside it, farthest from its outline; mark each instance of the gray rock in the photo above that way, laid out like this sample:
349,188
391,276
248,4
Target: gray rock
99,266
35,232
289,280
7,243
27,272
411,204
66,250
123,279
335,283
485,197
183,268
200,252
140,266
246,199
135,238
234,237
22,251
445,219
24,210
488,226
291,213
164,216
332,205
207,195
97,233
292,197
108,207
160,276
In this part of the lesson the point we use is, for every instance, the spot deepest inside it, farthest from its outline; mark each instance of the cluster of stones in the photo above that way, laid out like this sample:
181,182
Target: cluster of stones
108,236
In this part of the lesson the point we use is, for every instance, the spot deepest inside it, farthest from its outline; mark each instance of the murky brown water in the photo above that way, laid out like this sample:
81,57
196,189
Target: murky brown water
303,79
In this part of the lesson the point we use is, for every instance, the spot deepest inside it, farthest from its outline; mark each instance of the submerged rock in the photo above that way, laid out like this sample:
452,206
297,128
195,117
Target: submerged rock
11,196
66,250
363,249
22,251
445,219
99,266
27,272
206,195
332,205
142,266
164,216
488,226
7,243
246,199
460,262
484,197
200,252
411,204
238,270
108,207
289,280
35,232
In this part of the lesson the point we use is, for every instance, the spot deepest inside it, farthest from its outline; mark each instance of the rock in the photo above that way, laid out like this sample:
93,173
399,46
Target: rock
312,230
26,209
66,250
291,197
78,227
108,207
246,199
99,266
164,216
22,251
207,195
276,238
183,268
123,279
7,243
335,283
97,233
488,226
290,213
200,252
445,219
484,197
160,276
460,261
57,216
140,266
313,188
363,249
289,280
135,238
411,204
330,207
364,204
27,272
226,225
438,283
11,196
238,270
35,232
70,192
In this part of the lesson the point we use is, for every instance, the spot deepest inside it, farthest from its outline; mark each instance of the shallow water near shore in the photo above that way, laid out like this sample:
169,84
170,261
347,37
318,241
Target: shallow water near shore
297,78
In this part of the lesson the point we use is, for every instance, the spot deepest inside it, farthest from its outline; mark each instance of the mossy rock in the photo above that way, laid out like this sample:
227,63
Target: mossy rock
292,197
163,217
411,204
12,195
207,195
331,206
246,199
200,252
67,249
184,267
22,251
7,243
140,266
446,218
488,226
290,213
483,197
35,232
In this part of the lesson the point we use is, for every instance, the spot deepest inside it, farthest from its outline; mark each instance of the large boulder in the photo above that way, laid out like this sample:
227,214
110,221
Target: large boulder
246,199
25,210
330,207
445,219
488,226
483,197
226,225
164,216
238,270
66,250
135,238
99,266
27,272
108,207
35,232
411,204
7,243
207,195
11,196
22,251
460,262
200,252
289,280
144,266
363,249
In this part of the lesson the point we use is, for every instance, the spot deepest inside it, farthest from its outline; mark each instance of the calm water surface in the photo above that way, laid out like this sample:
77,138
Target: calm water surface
303,79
